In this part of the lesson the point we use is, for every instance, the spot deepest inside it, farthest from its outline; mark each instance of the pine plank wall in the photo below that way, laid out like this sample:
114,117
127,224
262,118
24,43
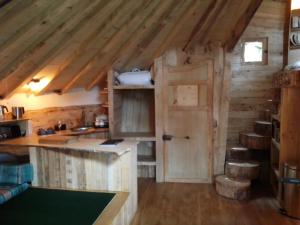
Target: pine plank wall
251,84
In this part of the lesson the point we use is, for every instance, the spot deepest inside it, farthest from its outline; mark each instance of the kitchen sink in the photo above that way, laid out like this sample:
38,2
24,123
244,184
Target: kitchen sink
80,129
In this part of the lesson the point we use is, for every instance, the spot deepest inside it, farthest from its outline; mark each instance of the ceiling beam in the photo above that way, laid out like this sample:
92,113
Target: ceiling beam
242,24
214,18
105,56
112,26
4,2
98,79
181,21
12,9
130,44
25,20
164,21
197,29
47,51
12,56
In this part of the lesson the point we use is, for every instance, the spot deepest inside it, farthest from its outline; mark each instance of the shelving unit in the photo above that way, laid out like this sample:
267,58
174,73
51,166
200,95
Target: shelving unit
132,117
104,97
294,29
285,143
132,87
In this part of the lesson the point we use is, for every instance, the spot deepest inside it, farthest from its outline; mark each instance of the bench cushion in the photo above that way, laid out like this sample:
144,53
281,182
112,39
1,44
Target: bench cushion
16,174
9,191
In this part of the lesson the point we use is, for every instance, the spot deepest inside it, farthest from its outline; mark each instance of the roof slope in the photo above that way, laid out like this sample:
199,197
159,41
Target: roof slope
74,42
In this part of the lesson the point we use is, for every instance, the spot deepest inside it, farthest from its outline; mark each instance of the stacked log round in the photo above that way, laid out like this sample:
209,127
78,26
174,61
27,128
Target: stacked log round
242,170
263,128
239,190
238,153
255,141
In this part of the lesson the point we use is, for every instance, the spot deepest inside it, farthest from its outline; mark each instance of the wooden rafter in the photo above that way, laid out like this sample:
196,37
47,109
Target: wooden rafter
200,24
213,19
98,79
26,19
122,37
154,32
12,9
15,54
242,23
128,44
4,2
182,20
44,54
77,41
119,19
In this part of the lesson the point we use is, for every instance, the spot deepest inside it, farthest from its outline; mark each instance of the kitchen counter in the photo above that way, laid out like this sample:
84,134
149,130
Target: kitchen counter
86,132
83,164
80,144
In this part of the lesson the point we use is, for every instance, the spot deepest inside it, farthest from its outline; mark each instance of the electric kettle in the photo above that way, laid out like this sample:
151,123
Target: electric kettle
2,111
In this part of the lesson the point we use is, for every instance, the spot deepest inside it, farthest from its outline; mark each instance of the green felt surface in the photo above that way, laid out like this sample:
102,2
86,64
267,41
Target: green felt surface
54,207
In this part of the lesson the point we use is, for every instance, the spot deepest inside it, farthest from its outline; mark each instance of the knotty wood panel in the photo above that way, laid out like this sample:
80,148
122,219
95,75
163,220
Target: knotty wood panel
251,85
73,116
222,77
57,168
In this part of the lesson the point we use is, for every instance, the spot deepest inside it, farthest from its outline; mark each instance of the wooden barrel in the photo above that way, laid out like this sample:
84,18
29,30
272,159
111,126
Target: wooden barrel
242,170
226,187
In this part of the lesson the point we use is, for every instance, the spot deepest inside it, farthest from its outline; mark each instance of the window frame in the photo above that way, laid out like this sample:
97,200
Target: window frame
265,51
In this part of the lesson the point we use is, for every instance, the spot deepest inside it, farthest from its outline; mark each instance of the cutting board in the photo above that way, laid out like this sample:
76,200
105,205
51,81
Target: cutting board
58,140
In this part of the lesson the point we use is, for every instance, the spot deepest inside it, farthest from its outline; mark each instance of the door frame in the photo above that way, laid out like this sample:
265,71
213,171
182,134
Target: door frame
159,115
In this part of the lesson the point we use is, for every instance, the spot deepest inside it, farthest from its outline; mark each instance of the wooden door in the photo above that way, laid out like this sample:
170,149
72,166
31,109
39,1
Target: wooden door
187,122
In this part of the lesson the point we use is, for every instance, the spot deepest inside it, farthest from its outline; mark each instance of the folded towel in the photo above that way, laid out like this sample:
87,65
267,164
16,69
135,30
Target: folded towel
135,78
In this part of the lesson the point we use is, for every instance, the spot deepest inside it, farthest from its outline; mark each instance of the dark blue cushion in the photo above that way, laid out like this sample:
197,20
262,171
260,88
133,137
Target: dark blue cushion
16,174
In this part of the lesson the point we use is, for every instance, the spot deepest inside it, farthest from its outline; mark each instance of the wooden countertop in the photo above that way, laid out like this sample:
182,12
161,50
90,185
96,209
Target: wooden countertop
81,144
10,120
78,133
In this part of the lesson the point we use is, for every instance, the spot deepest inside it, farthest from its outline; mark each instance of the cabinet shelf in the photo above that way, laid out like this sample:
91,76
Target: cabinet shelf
136,136
293,47
276,117
276,172
276,144
132,87
146,160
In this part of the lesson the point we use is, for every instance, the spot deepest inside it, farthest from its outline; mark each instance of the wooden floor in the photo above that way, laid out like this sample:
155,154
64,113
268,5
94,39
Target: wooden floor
198,204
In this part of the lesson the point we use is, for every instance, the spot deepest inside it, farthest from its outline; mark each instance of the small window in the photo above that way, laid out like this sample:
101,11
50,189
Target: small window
254,51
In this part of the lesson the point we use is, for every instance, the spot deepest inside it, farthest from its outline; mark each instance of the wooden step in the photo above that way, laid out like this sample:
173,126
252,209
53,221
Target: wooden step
266,115
238,153
226,187
263,128
239,170
255,141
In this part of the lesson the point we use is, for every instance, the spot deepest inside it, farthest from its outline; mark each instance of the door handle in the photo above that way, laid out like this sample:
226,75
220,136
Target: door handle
168,137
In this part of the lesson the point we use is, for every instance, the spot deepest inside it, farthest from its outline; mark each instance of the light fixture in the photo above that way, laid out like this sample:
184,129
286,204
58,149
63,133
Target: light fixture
35,85
295,4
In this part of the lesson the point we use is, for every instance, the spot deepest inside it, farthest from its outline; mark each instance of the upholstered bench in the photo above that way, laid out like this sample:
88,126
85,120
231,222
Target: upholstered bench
14,179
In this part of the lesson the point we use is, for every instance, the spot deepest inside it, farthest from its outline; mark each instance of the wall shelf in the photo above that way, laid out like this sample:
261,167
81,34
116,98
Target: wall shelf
146,160
136,136
133,87
132,117
276,117
276,144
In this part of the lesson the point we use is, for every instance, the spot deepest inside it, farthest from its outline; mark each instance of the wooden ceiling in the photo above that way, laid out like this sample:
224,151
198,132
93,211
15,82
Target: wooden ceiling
75,42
